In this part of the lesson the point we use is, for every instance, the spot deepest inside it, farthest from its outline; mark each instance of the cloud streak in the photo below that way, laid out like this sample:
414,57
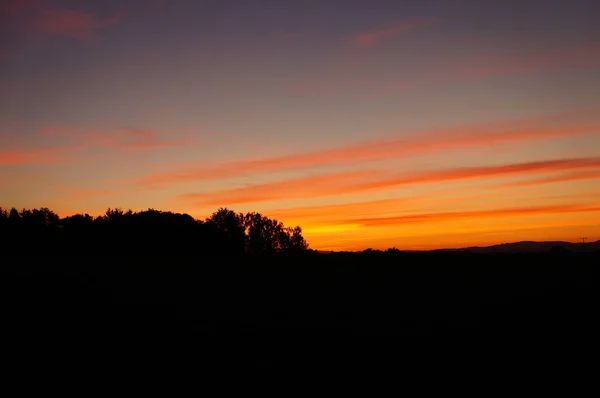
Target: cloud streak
353,183
76,24
82,141
465,173
334,213
31,157
584,56
478,214
306,187
126,139
579,176
566,124
370,38
336,86
44,18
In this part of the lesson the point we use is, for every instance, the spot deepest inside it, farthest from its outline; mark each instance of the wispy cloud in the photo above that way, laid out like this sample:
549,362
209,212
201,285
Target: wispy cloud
353,183
338,210
477,214
360,84
77,143
47,19
369,38
76,24
22,157
578,176
544,127
305,187
335,213
582,56
465,173
127,139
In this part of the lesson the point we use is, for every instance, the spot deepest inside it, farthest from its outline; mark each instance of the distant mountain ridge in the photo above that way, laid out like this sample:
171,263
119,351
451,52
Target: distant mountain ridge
512,247
531,247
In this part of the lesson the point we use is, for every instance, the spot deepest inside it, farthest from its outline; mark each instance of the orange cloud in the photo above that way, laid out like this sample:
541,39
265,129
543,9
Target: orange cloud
128,140
26,157
384,206
365,39
589,175
480,172
296,188
352,183
552,126
326,212
437,217
21,157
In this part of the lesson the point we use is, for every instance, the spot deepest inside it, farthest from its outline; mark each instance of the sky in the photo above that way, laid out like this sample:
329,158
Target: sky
415,124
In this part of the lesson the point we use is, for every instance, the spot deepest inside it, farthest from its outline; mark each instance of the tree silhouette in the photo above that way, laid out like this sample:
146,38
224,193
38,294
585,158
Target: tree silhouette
229,227
263,234
14,218
4,230
147,232
296,239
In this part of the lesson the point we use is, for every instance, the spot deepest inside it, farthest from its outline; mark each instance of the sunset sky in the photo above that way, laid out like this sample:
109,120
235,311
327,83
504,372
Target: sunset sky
414,124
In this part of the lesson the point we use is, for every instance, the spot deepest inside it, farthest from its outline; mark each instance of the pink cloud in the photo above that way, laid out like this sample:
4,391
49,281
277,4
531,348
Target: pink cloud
566,124
74,23
361,182
369,38
8,8
43,17
480,172
305,187
21,157
81,141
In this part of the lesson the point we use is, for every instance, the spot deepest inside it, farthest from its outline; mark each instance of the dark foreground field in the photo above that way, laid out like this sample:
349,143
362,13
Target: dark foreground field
261,310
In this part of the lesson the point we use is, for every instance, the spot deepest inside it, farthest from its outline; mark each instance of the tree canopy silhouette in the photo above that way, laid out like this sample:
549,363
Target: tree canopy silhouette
41,231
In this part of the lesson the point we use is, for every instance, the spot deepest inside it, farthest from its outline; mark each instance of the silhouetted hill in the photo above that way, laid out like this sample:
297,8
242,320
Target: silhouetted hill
530,247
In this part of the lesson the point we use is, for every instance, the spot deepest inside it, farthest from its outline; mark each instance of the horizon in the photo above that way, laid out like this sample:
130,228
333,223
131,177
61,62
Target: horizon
419,125
205,219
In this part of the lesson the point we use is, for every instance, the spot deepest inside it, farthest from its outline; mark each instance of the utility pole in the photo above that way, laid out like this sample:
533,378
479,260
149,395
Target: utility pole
583,239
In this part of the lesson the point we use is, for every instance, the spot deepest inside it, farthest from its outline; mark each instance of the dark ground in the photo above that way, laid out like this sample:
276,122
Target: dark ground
266,311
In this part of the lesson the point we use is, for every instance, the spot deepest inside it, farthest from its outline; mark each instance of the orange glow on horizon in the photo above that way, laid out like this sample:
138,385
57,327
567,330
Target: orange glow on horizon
440,129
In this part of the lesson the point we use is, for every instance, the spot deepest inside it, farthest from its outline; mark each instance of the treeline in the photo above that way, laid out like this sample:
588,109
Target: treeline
149,232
